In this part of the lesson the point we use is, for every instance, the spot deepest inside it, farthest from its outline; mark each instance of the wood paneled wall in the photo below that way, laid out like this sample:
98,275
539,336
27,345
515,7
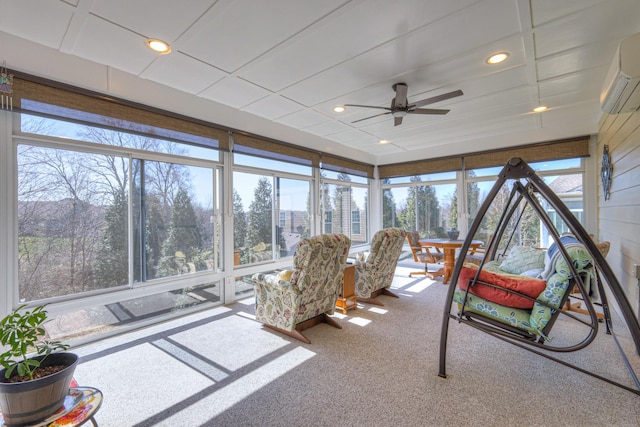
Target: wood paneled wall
619,217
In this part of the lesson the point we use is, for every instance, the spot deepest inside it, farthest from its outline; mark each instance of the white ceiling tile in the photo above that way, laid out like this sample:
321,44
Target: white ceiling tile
315,50
543,11
273,107
40,21
152,18
599,23
255,27
587,82
183,72
109,44
303,119
571,61
234,92
427,51
327,128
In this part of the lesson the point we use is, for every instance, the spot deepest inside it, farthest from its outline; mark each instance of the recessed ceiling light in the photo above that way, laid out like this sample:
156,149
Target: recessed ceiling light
383,141
497,58
339,109
540,109
158,46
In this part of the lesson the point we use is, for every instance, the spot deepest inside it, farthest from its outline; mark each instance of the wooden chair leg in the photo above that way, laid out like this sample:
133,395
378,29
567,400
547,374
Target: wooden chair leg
388,293
293,334
575,307
331,321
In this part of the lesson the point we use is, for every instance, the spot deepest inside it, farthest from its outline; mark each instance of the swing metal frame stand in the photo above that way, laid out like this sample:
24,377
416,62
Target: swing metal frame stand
529,186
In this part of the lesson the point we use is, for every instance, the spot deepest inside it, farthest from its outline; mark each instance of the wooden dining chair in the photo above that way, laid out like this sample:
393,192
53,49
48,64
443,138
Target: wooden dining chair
426,255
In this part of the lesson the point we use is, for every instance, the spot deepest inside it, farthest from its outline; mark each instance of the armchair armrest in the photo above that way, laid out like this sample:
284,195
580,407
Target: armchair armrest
272,283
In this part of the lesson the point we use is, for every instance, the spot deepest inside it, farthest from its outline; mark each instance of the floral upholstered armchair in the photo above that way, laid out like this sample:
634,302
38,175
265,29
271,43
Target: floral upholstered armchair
305,298
375,274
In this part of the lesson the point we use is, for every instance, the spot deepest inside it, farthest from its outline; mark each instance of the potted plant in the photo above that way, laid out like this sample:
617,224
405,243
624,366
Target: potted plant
37,372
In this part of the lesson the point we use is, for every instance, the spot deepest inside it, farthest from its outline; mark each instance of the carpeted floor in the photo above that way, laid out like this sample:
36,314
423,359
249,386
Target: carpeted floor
222,368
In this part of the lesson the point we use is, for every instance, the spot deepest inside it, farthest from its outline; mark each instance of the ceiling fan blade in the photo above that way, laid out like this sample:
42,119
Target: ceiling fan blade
438,98
367,106
397,121
371,117
400,100
428,111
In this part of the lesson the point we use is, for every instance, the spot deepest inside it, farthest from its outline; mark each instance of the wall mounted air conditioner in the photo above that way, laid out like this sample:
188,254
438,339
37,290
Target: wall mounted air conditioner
621,90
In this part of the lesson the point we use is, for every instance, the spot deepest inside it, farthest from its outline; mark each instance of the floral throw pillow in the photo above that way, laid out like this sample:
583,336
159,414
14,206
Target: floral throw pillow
522,258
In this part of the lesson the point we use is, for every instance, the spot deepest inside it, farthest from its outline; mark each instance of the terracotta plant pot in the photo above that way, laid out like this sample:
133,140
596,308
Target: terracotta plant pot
31,401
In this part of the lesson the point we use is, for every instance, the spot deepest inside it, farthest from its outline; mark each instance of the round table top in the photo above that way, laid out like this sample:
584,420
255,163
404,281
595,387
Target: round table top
448,242
79,406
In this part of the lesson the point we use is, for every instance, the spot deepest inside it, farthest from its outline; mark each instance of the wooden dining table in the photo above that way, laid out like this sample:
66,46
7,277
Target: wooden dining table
449,247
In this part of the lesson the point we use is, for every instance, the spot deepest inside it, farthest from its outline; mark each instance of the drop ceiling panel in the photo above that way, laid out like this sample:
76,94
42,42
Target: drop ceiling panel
574,60
422,47
328,128
109,44
314,49
183,73
599,23
152,18
303,119
273,107
234,92
240,31
543,11
43,22
587,82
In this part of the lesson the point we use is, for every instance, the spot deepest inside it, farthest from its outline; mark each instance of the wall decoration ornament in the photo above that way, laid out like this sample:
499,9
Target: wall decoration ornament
6,84
606,171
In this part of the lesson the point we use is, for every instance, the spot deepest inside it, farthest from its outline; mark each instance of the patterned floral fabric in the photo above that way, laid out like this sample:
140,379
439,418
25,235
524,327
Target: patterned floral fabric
538,318
318,267
377,271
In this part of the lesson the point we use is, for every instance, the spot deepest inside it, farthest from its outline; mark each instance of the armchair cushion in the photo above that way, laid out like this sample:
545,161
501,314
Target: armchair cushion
524,285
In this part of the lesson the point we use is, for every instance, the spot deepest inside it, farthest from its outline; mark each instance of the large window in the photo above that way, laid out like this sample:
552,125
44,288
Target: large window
112,214
429,207
564,177
345,206
271,211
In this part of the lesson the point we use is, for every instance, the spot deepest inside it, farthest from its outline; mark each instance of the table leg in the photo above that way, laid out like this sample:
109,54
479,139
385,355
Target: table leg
449,262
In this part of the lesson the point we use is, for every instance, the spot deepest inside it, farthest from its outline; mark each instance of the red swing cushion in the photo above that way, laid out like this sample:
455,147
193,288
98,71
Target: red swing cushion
522,284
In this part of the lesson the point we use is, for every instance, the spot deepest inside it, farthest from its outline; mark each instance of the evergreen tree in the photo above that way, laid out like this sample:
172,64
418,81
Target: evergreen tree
183,238
156,233
112,261
388,208
239,222
260,222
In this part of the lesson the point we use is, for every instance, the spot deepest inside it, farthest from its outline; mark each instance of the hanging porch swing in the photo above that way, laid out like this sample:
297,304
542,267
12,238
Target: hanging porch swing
513,308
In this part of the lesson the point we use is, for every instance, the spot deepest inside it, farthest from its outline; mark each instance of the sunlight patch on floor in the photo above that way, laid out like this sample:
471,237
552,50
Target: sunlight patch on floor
247,315
378,310
247,301
223,399
231,342
359,321
420,286
145,370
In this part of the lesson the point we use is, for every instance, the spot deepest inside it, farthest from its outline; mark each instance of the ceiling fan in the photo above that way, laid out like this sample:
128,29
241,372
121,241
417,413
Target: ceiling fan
400,106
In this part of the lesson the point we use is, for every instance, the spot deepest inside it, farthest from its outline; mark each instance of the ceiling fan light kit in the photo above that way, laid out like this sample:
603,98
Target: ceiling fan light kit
400,106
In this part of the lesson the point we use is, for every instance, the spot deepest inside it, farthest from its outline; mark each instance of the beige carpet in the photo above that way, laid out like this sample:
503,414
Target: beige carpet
221,368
